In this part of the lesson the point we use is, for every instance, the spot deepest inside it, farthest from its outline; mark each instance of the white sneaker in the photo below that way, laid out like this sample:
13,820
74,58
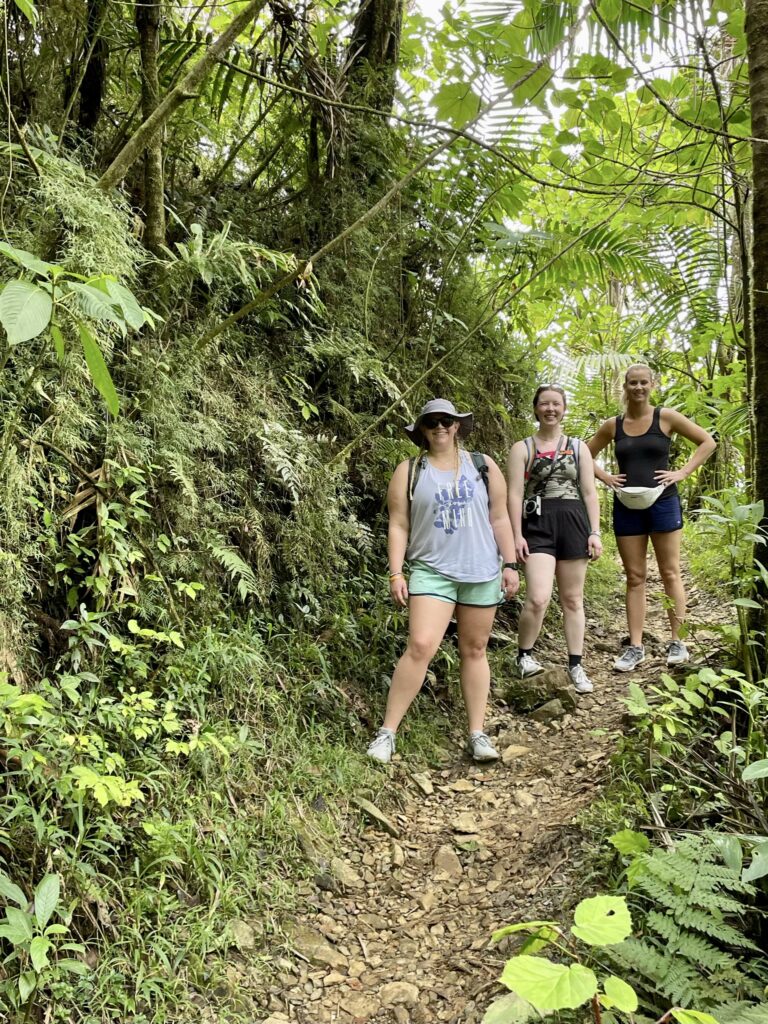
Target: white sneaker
528,666
677,653
630,659
581,681
383,747
481,748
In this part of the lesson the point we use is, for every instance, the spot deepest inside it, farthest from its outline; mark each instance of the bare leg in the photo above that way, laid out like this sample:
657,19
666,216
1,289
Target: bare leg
634,555
539,577
427,622
570,586
474,629
667,548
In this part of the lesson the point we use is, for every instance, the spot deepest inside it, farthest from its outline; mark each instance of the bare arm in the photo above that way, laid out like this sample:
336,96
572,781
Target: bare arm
397,537
501,526
591,500
604,436
515,491
676,423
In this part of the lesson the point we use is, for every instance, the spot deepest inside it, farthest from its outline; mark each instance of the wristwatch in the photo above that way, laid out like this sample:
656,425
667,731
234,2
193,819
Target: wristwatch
511,565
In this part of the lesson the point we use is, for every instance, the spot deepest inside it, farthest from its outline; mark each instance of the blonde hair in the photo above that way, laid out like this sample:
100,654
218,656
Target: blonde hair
639,366
423,452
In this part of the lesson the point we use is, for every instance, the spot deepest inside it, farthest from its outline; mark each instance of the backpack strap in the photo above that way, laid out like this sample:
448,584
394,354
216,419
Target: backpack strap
481,466
575,445
530,456
415,466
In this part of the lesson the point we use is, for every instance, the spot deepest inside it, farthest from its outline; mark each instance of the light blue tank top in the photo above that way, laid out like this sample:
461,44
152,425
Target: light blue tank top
450,528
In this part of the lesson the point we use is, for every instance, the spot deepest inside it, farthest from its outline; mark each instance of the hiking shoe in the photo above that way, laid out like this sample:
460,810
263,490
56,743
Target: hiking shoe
481,748
677,654
581,681
528,666
630,659
383,747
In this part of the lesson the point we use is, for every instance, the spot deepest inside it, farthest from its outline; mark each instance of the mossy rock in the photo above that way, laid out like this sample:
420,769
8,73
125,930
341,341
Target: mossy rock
534,691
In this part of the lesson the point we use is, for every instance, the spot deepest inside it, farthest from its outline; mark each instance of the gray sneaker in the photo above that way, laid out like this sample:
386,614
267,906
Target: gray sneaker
481,748
383,747
630,659
677,654
581,681
528,666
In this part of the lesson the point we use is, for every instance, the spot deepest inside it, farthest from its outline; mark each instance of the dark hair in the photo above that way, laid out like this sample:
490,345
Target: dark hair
550,387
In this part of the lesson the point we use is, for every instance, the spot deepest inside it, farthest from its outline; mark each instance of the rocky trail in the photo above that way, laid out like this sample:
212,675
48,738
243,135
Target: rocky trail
397,925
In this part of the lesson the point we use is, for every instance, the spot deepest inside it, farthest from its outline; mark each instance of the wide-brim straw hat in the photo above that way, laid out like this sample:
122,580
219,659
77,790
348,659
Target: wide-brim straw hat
437,405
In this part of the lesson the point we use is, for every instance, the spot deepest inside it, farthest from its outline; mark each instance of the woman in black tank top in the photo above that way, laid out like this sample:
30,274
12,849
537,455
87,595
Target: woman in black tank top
642,437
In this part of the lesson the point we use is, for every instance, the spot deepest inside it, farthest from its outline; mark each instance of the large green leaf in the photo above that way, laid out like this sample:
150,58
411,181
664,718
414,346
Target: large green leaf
99,373
28,9
602,920
621,995
25,310
692,1016
549,986
756,770
10,891
128,302
629,842
28,260
510,1009
758,867
46,898
38,952
97,304
456,102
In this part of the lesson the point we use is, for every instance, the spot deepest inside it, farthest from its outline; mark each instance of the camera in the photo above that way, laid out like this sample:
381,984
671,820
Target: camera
532,506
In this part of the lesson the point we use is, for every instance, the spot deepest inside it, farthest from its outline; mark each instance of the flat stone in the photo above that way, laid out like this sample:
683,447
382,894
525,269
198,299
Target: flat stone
360,1005
447,862
398,855
424,783
334,978
399,993
315,947
243,936
465,823
513,751
530,693
374,922
462,786
377,817
427,900
548,712
523,799
345,874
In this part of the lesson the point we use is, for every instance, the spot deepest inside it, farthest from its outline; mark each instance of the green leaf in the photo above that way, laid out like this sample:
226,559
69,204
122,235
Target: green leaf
46,898
28,9
510,1009
73,966
730,850
621,995
629,842
610,9
38,952
58,341
98,369
756,770
27,985
97,304
602,920
521,926
758,868
25,310
456,102
692,1016
20,919
128,302
14,933
10,891
28,260
549,986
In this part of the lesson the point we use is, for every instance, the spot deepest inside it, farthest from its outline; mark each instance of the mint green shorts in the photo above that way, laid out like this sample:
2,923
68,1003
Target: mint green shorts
427,582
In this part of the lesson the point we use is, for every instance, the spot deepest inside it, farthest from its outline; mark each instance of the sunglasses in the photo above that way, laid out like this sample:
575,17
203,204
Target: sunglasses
433,422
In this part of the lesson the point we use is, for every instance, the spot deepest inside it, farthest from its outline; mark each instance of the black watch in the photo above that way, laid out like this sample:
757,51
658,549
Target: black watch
511,565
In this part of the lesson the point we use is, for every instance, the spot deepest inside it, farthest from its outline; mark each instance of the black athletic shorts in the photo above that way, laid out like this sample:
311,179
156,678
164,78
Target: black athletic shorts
561,530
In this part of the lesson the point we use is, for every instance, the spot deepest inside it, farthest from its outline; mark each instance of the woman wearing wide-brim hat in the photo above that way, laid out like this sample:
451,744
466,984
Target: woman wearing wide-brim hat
448,518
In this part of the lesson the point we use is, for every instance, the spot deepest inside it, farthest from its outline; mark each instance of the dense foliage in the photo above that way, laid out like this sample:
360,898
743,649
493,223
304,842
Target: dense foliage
213,330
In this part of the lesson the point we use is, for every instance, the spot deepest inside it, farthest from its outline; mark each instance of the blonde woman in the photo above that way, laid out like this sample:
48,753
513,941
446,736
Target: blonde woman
448,518
646,503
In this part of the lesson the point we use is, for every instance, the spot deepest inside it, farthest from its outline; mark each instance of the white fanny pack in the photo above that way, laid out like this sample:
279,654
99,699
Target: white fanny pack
639,497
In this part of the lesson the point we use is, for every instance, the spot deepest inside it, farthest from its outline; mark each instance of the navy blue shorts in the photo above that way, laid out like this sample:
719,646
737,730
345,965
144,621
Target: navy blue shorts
664,516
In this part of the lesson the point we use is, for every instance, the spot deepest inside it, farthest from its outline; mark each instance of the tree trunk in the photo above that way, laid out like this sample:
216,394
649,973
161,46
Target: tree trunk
757,54
93,81
148,16
185,90
375,49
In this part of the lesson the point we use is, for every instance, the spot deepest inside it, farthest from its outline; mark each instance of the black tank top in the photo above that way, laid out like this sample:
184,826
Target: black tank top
640,457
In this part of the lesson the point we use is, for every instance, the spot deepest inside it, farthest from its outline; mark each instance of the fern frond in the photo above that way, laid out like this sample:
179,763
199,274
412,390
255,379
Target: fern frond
239,571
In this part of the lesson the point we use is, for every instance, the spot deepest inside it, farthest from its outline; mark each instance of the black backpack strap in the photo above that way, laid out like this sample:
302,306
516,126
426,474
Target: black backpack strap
481,466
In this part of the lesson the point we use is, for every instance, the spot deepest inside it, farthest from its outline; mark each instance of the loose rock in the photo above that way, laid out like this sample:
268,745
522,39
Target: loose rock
399,993
447,862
